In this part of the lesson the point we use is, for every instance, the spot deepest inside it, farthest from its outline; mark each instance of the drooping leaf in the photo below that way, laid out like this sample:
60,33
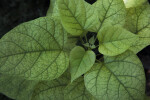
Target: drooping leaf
115,40
120,77
134,3
138,22
110,12
53,9
16,87
80,61
51,90
77,91
77,16
34,50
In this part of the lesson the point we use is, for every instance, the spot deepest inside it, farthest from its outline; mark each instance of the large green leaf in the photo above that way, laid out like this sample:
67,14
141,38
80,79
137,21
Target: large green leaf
34,50
80,61
51,90
114,40
133,3
120,77
110,12
138,22
16,87
77,16
77,91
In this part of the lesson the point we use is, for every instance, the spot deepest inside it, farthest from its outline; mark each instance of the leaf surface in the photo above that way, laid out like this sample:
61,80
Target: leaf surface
80,61
51,90
77,16
120,77
77,91
16,87
53,9
138,22
115,40
34,50
110,12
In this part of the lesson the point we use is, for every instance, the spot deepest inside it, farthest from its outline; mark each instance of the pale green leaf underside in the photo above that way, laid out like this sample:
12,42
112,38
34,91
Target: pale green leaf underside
138,22
115,40
110,12
34,50
77,91
16,88
118,78
51,90
134,3
77,16
80,61
53,9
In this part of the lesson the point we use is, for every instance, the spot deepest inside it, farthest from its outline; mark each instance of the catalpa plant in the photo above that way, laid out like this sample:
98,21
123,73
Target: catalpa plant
79,51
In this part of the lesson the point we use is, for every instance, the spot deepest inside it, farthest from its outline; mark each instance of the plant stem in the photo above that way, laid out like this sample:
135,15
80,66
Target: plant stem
81,40
86,38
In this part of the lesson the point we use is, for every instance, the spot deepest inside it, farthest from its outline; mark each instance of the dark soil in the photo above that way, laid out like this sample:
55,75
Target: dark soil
14,12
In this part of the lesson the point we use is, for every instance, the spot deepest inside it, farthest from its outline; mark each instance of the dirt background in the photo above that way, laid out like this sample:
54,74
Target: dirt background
14,12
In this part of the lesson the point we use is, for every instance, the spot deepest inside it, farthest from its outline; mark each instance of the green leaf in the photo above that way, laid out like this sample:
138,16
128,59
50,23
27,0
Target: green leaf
92,40
77,91
53,9
133,3
34,50
138,22
115,40
51,90
77,16
110,12
120,77
16,87
80,61
88,45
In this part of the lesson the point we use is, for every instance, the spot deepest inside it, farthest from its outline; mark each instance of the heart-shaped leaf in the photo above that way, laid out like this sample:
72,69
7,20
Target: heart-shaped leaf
115,40
110,12
138,22
77,16
35,50
120,77
80,61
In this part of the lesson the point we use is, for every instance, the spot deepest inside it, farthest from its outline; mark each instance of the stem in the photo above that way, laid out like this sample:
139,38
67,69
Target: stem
98,54
81,40
98,60
86,39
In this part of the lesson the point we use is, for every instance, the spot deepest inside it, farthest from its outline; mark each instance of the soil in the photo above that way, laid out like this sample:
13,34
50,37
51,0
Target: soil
14,12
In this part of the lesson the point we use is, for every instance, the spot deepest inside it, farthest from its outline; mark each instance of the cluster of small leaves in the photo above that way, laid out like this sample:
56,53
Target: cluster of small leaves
53,57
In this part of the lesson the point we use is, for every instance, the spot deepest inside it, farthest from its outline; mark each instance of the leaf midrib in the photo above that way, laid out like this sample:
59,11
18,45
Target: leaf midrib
30,52
74,16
